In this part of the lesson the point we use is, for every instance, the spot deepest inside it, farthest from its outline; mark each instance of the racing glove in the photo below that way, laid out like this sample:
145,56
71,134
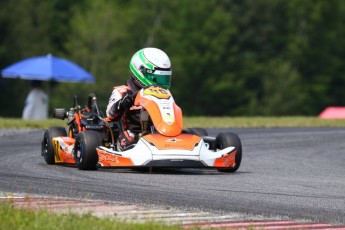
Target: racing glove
126,101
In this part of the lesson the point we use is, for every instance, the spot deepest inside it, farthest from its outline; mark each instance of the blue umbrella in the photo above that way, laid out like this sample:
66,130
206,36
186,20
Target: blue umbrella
46,68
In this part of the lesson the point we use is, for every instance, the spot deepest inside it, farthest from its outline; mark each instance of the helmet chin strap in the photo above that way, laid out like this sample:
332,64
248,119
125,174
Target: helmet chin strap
131,82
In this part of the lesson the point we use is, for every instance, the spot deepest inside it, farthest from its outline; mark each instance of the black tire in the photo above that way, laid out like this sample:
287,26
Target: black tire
86,157
201,132
224,140
47,149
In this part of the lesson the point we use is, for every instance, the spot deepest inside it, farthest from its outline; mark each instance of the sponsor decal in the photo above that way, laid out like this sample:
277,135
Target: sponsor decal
168,118
229,160
174,140
108,157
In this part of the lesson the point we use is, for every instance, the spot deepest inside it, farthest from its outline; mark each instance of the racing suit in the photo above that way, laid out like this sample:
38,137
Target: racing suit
120,108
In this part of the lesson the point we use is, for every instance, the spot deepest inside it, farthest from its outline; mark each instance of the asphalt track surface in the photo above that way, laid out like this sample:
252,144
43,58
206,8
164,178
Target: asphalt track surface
285,172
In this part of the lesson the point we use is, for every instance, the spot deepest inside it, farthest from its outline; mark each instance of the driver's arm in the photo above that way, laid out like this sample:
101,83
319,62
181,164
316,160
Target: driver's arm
116,106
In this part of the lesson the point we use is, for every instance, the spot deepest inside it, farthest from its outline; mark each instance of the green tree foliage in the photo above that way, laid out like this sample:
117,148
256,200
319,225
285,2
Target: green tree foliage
230,57
28,28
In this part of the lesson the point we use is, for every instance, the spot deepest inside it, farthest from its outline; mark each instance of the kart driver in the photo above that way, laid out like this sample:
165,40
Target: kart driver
148,66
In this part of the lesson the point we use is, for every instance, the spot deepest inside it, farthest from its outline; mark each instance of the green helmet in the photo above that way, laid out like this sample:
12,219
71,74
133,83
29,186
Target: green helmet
151,66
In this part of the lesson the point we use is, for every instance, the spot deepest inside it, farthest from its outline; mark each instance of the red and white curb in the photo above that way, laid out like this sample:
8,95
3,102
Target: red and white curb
169,216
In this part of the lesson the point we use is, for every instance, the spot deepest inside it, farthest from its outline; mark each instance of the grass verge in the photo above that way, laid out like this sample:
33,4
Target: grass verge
14,218
242,122
16,123
204,122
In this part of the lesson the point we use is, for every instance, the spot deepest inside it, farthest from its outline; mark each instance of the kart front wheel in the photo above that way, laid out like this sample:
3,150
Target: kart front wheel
86,157
197,131
224,140
47,149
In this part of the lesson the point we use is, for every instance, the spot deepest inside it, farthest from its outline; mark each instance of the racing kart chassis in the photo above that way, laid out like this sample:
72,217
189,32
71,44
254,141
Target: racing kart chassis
90,142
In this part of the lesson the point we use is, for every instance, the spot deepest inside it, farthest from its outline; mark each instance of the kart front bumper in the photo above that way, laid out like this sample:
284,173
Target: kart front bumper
147,154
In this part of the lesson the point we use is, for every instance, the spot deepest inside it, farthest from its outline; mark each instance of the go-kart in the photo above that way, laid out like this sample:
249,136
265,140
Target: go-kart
90,141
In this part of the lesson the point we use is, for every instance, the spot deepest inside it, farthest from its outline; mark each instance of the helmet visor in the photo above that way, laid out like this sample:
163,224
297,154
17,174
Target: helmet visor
161,80
158,77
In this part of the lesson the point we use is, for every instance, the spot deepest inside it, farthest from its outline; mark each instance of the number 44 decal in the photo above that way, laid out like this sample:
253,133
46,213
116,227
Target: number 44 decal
56,146
157,92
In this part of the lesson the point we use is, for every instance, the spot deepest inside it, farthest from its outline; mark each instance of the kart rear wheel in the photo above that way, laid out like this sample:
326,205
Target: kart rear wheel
86,157
224,140
197,131
47,149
